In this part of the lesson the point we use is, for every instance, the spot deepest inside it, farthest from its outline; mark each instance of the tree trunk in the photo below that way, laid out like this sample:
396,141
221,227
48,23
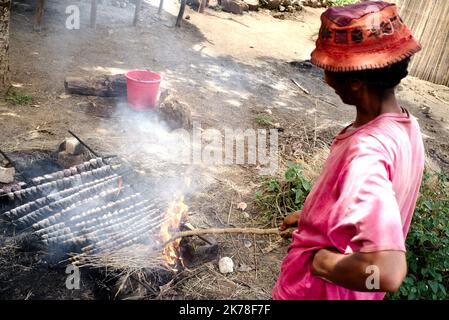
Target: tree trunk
5,80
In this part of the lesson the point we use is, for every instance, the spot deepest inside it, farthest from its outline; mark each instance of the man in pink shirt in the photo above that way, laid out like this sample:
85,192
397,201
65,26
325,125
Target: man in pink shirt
350,240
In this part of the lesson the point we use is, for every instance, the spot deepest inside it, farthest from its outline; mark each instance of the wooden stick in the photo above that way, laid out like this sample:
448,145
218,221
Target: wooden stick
39,14
255,231
161,6
300,86
93,14
136,13
202,6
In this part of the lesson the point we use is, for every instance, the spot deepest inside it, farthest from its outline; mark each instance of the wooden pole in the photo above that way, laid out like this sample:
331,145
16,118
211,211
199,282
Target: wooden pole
161,5
181,13
93,14
39,14
202,6
136,13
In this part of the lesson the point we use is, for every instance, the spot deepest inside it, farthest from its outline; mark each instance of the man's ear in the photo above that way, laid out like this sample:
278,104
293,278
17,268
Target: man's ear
355,84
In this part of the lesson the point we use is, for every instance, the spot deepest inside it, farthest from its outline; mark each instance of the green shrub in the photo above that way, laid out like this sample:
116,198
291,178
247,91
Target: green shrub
264,120
279,197
428,243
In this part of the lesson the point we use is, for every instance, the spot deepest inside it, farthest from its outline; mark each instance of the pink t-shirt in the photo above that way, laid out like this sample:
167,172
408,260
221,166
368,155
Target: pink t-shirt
362,202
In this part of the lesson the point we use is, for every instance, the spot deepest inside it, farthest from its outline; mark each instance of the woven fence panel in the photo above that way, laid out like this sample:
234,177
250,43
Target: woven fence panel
429,22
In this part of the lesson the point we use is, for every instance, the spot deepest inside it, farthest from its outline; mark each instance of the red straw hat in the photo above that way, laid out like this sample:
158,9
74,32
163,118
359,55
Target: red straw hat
367,35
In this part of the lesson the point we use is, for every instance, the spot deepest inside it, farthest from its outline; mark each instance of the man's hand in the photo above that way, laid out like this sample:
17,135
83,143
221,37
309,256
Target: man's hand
291,220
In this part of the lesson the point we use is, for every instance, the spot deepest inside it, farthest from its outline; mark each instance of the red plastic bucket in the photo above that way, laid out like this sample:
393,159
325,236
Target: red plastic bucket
142,89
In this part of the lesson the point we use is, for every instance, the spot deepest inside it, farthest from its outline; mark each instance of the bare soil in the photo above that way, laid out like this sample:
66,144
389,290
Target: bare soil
228,69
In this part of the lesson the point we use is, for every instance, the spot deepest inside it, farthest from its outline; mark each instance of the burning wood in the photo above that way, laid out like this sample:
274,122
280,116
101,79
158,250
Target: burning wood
176,212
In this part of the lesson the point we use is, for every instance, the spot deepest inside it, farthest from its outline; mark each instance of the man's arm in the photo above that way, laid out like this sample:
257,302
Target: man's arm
351,271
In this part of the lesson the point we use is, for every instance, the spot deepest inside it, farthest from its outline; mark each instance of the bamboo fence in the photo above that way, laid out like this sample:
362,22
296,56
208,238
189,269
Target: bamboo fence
429,22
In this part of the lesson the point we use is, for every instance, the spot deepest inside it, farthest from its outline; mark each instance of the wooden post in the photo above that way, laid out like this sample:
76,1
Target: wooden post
39,14
136,13
161,5
181,13
93,14
5,80
202,6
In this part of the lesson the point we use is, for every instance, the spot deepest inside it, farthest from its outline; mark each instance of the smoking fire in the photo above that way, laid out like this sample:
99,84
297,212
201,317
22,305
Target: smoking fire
176,212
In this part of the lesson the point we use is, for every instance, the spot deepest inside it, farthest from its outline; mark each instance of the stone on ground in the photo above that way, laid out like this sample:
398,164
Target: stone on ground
73,146
7,175
226,265
234,6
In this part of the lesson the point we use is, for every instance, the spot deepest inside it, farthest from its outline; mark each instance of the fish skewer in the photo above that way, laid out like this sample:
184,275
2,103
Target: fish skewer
40,202
54,207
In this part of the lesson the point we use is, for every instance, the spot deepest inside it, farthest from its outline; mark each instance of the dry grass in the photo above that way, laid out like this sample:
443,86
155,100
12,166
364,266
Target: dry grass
313,163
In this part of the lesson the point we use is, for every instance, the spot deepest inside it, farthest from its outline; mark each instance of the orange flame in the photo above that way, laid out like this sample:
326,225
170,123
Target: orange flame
176,212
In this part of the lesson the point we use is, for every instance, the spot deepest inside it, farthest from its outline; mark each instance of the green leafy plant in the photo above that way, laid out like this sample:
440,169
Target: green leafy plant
18,98
339,3
279,197
264,119
428,243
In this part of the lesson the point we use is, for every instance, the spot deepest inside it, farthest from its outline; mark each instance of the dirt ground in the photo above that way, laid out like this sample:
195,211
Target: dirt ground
228,69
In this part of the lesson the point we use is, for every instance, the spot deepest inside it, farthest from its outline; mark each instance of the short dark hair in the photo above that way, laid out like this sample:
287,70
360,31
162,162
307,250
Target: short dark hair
383,79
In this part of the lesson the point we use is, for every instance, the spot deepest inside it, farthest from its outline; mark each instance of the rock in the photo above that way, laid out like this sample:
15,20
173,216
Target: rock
187,17
271,4
175,113
244,268
7,175
302,64
281,8
242,206
291,9
226,265
316,3
73,146
279,15
426,110
253,5
67,160
234,6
